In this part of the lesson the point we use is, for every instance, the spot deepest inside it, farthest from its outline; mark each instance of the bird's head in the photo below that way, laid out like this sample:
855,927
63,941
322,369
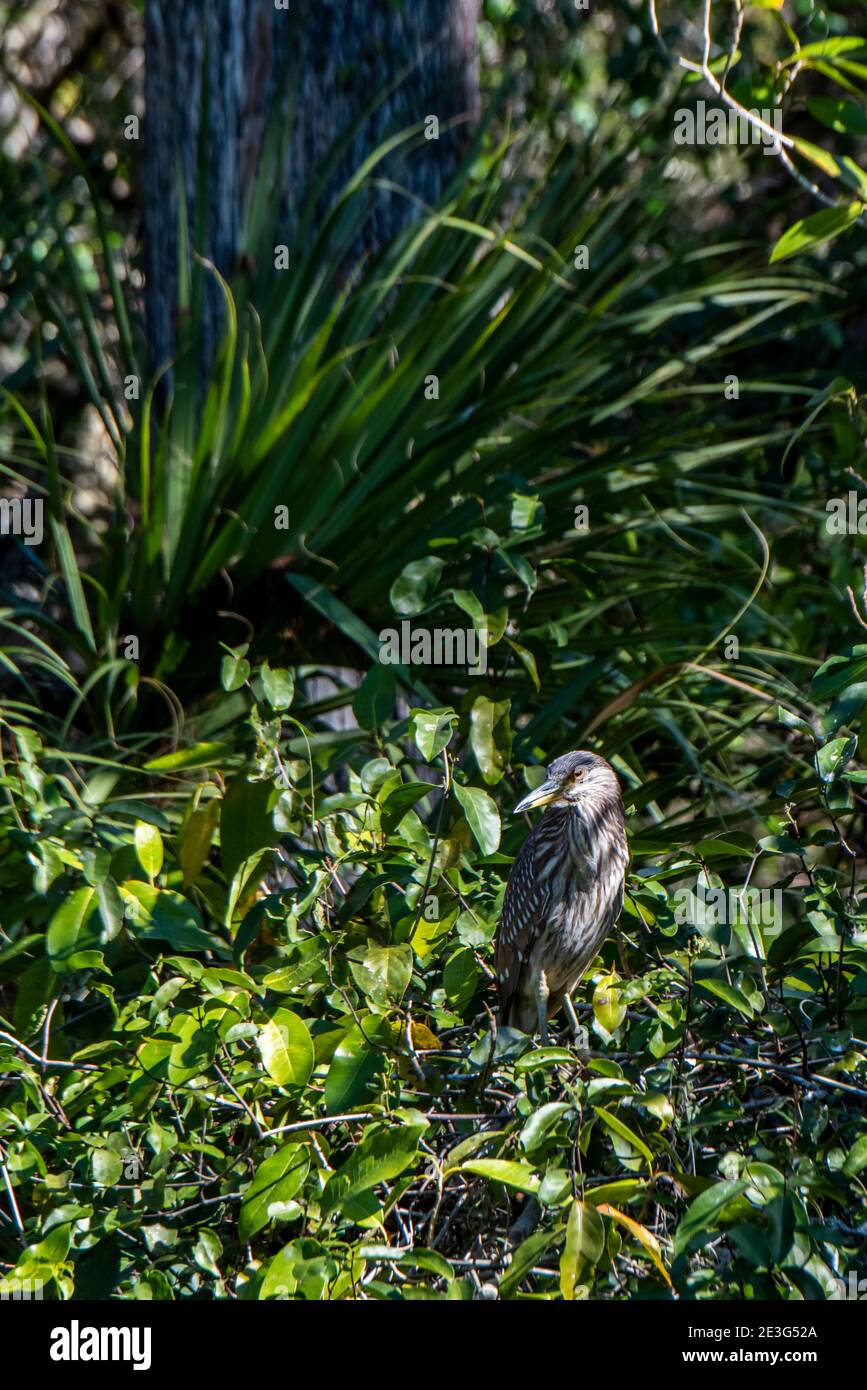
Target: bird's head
577,781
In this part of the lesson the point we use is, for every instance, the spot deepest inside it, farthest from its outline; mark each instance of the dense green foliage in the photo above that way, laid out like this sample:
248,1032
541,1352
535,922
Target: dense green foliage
250,875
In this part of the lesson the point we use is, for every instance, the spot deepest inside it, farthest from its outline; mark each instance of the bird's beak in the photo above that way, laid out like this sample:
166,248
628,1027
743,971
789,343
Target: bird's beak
542,796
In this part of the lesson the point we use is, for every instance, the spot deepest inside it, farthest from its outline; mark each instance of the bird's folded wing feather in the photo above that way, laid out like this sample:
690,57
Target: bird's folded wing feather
525,906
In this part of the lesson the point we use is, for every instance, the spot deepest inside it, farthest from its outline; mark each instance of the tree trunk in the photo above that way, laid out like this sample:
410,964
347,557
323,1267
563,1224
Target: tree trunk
319,69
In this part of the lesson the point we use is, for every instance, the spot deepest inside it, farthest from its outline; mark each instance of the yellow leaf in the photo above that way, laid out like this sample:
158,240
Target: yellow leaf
423,1038
642,1235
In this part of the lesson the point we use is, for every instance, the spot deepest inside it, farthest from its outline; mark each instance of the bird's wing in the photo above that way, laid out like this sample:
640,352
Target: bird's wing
525,906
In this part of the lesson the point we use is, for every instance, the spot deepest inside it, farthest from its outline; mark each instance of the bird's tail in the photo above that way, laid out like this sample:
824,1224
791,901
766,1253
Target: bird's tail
522,1011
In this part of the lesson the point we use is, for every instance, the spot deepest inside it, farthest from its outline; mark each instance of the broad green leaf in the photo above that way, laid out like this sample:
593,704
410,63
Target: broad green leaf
704,1213
542,1123
149,848
286,1048
730,994
246,822
207,1251
839,671
856,1158
373,702
357,1059
398,801
192,1051
585,1243
431,730
279,686
380,1156
382,973
491,737
461,976
235,669
74,932
843,116
518,1175
303,1268
482,815
107,1167
416,585
832,757
164,915
276,1181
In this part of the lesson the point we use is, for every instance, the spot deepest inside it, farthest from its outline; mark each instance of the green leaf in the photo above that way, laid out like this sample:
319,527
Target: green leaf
275,1182
482,815
207,1251
856,1158
302,1269
373,702
286,1049
730,994
278,685
110,909
235,669
843,116
523,513
832,757
149,848
702,1215
585,1243
431,730
355,1063
416,585
246,822
107,1167
398,801
525,1257
163,915
518,1175
197,755
382,973
380,1156
192,1050
617,1126
542,1123
839,671
491,737
74,932
793,721
813,230
461,976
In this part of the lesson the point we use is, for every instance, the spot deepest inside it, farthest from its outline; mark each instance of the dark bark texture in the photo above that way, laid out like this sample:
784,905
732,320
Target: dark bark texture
218,72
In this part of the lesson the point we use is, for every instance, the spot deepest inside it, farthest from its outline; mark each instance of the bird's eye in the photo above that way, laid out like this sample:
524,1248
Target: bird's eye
578,774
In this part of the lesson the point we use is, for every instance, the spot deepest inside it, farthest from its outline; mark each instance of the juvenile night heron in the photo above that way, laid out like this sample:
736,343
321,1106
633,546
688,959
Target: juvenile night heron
564,893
